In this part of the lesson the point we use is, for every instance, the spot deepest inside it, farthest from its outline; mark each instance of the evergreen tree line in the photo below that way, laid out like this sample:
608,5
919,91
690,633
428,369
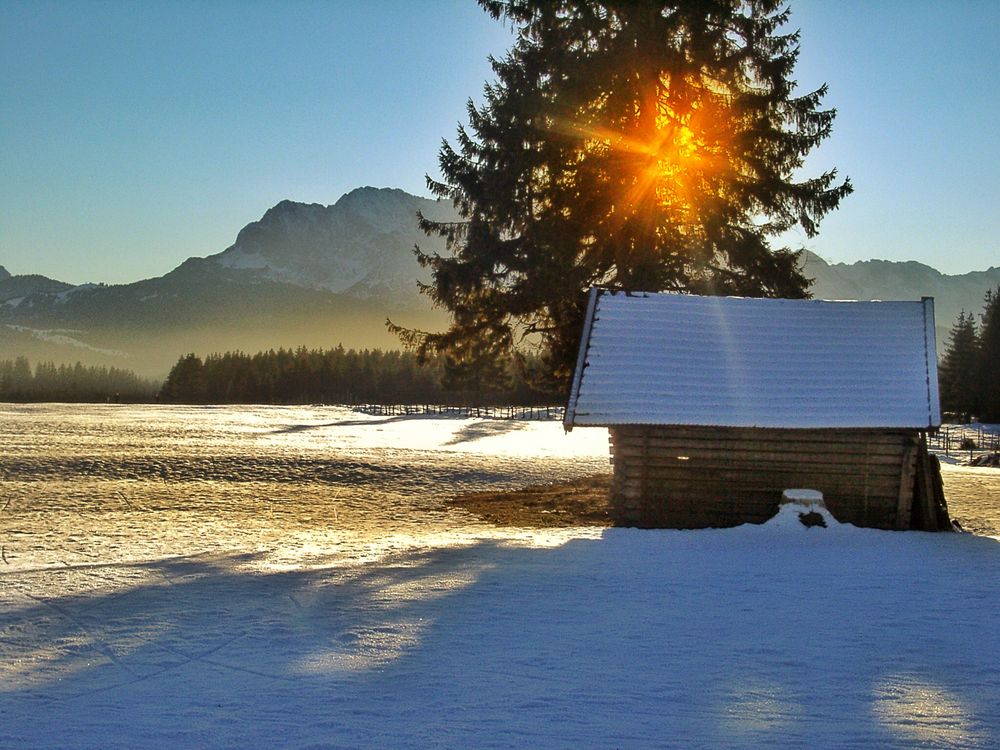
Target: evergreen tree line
74,383
337,376
969,372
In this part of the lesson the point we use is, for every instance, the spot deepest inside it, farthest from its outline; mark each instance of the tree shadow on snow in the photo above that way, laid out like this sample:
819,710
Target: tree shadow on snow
636,638
485,429
291,429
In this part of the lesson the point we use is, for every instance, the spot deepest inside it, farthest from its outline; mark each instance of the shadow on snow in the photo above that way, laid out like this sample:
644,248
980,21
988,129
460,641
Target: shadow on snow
633,639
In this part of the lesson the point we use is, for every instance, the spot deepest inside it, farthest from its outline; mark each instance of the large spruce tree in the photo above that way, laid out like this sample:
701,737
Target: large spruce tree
634,145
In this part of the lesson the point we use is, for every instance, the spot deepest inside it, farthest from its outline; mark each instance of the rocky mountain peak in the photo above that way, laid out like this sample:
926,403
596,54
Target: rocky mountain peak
362,245
287,210
392,209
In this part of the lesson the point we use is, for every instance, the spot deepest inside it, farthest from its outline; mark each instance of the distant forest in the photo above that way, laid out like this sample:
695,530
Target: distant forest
285,376
969,372
73,383
335,376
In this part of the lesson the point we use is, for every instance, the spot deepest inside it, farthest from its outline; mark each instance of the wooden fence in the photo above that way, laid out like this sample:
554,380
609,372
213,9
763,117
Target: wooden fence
951,438
480,412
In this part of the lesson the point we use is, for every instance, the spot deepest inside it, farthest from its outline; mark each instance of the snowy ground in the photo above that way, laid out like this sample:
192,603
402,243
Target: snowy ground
291,578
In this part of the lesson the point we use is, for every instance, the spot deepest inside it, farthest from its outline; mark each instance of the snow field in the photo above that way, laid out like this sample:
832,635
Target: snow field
194,619
746,637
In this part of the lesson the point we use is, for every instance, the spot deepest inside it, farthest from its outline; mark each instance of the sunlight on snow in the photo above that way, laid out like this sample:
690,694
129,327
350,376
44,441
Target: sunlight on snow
311,551
392,635
919,711
50,661
62,646
387,633
354,430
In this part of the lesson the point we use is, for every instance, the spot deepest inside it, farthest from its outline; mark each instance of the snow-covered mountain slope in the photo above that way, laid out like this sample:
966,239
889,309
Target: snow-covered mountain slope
361,246
15,288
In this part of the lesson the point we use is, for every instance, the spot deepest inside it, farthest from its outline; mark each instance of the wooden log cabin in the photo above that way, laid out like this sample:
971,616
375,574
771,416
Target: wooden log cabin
716,405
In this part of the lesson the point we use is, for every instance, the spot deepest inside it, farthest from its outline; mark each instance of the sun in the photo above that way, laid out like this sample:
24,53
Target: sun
670,167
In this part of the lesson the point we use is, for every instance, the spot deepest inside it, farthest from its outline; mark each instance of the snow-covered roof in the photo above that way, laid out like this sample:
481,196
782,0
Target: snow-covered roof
673,359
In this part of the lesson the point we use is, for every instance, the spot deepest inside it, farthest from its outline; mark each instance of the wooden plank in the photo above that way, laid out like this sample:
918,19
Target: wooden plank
873,485
761,505
904,507
752,461
667,441
751,436
757,435
930,510
924,507
874,498
883,513
787,479
678,513
882,508
756,509
805,449
773,476
880,493
686,447
937,486
850,464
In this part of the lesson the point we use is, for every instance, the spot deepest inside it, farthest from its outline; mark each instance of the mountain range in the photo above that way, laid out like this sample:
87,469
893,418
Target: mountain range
303,275
317,276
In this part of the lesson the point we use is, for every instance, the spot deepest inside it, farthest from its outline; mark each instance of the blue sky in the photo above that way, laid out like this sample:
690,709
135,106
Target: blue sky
136,134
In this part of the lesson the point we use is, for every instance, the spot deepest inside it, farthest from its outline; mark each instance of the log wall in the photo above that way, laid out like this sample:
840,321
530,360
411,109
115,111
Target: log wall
698,477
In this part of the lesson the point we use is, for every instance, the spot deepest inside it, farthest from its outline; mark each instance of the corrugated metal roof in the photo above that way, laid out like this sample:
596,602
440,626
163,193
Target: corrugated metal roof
673,359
